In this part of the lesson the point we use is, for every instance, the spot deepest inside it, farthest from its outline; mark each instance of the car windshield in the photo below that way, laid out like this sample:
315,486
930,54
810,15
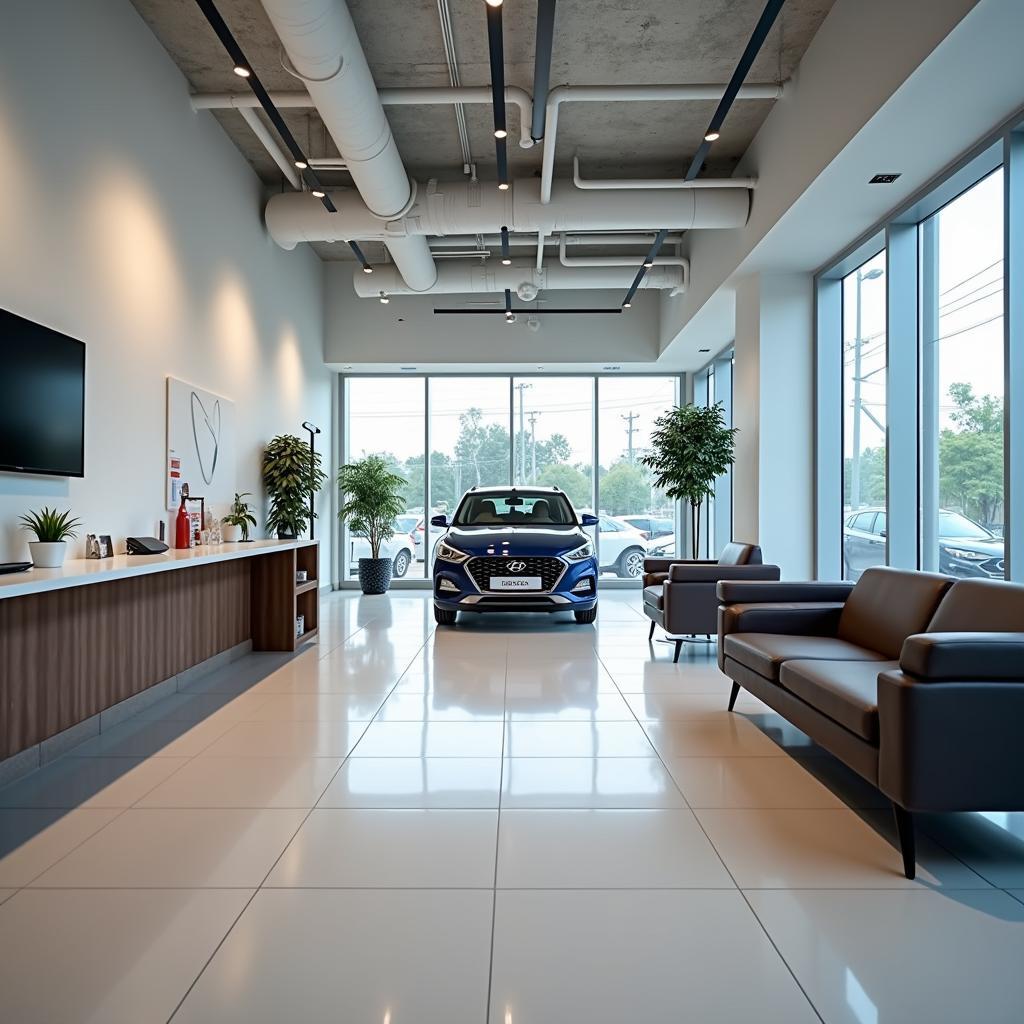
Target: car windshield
952,524
515,508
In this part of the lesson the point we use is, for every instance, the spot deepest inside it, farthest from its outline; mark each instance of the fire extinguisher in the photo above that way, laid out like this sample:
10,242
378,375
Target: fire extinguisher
182,523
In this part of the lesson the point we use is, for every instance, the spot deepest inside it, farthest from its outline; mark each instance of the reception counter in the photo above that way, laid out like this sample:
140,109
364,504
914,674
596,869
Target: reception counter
79,640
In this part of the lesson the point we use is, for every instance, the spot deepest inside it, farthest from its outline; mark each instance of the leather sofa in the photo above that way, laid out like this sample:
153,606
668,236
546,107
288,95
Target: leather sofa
913,680
680,595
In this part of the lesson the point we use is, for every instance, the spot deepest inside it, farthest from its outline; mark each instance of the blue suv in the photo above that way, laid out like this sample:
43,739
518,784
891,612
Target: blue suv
514,549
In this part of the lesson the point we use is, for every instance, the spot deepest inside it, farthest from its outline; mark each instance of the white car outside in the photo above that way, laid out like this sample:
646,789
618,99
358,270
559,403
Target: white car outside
621,548
401,548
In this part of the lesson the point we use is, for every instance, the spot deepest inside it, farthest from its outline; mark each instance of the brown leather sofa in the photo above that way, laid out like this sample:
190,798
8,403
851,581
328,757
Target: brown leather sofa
913,680
680,595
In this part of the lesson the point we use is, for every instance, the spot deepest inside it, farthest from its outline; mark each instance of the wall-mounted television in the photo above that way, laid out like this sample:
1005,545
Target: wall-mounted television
42,399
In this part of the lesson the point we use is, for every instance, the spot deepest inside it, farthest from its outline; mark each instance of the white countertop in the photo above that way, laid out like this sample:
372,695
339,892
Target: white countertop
78,572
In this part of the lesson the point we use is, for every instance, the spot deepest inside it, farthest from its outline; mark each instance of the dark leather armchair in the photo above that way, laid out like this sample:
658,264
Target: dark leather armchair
680,595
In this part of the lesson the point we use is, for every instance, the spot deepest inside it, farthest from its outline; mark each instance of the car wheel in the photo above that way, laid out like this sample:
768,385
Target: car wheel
401,567
445,616
590,615
631,564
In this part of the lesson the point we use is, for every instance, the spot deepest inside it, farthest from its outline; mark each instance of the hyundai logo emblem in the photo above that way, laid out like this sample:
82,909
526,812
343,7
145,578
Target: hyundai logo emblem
516,566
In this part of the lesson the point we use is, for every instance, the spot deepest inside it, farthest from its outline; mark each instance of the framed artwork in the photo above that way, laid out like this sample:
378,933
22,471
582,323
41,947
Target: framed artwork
200,444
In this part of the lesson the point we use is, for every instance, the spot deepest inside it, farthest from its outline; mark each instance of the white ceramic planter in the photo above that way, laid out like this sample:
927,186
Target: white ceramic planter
231,534
47,555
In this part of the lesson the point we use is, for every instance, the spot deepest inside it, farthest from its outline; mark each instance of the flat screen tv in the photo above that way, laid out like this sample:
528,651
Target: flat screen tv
42,399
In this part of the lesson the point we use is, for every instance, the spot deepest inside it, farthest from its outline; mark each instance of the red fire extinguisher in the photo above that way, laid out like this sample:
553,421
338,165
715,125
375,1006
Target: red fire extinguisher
182,524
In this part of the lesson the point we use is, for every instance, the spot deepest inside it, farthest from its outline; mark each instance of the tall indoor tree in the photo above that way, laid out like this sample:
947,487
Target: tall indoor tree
691,447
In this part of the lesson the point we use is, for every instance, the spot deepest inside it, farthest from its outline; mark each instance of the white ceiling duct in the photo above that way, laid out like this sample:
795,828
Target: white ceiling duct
321,42
522,277
455,208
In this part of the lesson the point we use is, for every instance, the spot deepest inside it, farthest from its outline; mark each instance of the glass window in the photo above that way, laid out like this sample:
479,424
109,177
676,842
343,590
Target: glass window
962,384
864,406
385,416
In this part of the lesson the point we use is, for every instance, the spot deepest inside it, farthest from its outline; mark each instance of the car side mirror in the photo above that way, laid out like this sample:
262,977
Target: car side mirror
438,520
881,533
588,520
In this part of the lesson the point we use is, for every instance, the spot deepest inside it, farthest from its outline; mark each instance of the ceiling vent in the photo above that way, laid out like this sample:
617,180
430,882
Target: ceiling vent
884,179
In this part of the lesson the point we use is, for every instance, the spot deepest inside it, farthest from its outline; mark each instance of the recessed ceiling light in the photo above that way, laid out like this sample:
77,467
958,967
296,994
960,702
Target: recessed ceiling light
494,3
241,70
384,298
540,367
367,269
703,350
506,262
616,367
712,137
884,179
347,366
503,185
500,133
407,367
318,193
301,164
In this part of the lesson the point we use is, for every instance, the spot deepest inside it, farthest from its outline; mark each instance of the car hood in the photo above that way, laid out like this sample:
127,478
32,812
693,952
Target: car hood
994,548
515,540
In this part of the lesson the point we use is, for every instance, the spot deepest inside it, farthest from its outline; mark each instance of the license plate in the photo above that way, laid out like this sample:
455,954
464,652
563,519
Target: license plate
516,583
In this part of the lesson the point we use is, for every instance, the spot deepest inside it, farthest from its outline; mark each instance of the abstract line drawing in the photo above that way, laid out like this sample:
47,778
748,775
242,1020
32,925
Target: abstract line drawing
200,444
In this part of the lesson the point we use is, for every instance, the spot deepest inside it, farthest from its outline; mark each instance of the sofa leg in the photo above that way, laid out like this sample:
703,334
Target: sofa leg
905,831
650,635
732,696
679,647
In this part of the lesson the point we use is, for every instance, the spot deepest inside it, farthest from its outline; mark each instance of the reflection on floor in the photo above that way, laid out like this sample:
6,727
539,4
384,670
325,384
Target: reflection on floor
519,820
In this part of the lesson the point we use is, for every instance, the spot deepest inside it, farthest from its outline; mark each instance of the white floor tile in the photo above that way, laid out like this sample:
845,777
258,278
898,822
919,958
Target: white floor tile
194,848
310,957
662,707
107,957
941,957
322,738
314,707
612,957
606,849
564,705
825,849
711,737
194,707
565,782
155,738
415,782
33,840
991,842
431,739
576,739
6,894
245,782
748,782
434,706
90,782
413,849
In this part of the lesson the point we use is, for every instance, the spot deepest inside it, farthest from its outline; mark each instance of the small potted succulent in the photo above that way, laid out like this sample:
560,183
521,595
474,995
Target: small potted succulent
239,519
52,530
371,501
292,474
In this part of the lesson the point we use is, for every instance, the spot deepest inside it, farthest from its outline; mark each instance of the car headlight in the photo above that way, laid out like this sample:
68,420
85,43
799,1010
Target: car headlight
449,554
583,551
966,556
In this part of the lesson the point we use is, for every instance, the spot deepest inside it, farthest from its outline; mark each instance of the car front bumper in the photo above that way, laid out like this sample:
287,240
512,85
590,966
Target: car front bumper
455,590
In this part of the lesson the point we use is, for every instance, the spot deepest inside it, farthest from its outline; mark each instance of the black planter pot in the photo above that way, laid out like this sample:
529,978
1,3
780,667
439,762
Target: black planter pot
283,534
375,575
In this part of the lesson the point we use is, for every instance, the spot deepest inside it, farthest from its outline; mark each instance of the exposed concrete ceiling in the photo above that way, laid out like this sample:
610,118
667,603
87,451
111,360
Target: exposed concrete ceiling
597,42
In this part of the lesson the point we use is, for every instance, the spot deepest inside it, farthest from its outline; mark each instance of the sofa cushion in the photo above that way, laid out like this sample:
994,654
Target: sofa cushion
980,606
845,691
888,605
765,653
735,553
655,597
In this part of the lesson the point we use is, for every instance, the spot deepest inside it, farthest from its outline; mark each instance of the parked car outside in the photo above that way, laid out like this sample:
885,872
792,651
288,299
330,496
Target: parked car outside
621,548
966,548
515,549
401,548
652,527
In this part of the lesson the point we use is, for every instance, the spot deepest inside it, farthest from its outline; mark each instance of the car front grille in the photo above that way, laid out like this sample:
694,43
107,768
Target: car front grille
482,569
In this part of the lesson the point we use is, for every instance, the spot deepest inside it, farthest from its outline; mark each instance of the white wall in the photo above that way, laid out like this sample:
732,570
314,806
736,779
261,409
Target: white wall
773,406
133,223
367,335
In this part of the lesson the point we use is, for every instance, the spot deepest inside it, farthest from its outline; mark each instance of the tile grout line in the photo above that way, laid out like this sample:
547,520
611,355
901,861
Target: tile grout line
284,849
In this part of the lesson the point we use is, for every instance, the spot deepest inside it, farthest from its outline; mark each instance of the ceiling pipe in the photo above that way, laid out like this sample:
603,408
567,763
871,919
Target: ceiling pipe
448,39
461,208
622,260
321,43
259,129
418,96
542,63
496,56
627,93
625,238
629,183
522,277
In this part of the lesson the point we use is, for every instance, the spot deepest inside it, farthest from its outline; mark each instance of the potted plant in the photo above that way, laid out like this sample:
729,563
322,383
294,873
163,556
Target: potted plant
239,518
690,448
371,500
52,529
292,474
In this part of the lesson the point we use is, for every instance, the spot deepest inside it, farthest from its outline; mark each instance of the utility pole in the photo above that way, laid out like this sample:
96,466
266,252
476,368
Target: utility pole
521,387
533,445
630,431
858,401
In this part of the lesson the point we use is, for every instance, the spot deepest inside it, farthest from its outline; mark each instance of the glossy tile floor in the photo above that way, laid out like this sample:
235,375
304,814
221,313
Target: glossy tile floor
518,821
